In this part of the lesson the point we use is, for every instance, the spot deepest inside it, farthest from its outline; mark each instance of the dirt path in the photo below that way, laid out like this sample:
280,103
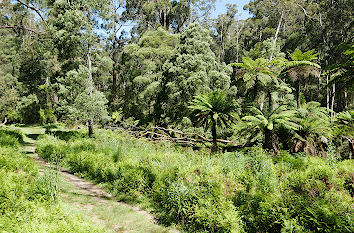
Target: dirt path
95,203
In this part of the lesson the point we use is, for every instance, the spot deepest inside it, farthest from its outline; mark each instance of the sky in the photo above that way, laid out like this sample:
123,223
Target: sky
221,9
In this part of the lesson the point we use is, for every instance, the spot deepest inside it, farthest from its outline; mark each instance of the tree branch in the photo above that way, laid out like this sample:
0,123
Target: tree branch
3,122
32,8
16,27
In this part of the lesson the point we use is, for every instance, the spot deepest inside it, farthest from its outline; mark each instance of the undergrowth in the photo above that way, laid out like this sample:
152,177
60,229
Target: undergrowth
245,191
28,197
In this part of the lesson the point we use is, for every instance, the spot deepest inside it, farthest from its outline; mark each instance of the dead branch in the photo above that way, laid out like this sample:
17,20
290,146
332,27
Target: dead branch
3,122
160,134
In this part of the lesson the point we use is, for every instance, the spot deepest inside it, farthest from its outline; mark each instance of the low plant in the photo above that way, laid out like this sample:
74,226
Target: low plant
244,191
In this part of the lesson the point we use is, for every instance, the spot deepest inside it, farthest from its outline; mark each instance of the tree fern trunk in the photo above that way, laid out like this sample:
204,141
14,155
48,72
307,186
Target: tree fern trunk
90,128
298,93
271,141
213,133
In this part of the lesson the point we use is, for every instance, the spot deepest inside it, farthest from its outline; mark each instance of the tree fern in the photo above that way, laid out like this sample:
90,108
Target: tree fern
268,123
315,128
215,109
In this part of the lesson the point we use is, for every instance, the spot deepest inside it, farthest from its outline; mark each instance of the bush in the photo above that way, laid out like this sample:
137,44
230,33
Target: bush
233,192
47,116
10,138
28,198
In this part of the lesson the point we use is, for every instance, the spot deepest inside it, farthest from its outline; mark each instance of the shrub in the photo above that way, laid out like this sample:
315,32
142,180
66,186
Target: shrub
232,192
28,199
10,138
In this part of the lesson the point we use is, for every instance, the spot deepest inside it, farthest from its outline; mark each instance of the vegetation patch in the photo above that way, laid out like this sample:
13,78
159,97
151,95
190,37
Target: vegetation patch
241,191
28,198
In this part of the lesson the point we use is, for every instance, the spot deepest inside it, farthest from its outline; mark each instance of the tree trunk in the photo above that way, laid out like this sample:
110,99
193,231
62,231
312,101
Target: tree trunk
237,46
114,55
298,93
261,100
267,139
270,102
270,141
345,98
333,98
89,65
276,36
327,96
90,128
214,148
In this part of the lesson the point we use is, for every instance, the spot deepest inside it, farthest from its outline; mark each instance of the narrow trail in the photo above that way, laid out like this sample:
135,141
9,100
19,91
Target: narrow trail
99,206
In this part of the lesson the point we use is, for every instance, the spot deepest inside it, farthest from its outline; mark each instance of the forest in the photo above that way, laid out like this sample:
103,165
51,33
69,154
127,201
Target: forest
211,123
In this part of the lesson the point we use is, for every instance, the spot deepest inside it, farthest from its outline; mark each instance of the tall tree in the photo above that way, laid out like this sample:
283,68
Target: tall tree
193,70
141,77
170,14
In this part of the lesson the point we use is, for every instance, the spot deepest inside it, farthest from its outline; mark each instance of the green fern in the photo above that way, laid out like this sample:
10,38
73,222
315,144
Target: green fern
215,109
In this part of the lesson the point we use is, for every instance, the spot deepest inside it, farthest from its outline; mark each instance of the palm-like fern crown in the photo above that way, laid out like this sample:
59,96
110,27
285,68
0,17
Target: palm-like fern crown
281,116
315,120
302,65
344,123
310,55
217,106
255,72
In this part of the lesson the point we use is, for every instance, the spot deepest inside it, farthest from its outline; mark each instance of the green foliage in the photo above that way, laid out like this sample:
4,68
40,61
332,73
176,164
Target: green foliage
216,107
344,123
192,70
298,55
244,191
259,123
264,49
143,72
256,77
10,138
255,72
28,106
343,131
9,95
79,102
47,116
29,199
315,131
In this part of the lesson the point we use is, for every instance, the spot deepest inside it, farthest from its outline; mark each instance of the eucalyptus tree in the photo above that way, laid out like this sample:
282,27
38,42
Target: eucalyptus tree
223,25
213,110
111,13
171,14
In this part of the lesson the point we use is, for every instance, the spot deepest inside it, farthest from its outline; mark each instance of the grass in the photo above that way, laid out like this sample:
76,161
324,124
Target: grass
28,199
247,190
99,214
116,216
